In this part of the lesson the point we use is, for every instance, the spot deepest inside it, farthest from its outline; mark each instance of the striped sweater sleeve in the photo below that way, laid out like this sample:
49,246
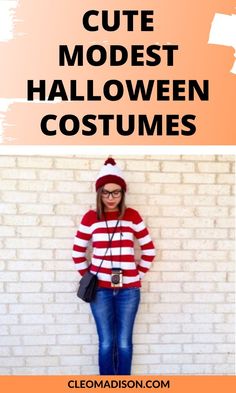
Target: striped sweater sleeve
147,247
81,242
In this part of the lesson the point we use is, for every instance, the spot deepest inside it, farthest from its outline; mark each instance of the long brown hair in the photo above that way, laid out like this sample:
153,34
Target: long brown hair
100,205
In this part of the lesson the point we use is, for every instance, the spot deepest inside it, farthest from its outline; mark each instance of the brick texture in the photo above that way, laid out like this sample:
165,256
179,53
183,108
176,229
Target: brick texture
185,323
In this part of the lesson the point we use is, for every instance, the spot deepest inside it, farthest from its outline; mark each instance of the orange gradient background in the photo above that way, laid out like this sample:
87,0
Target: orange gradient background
41,26
178,384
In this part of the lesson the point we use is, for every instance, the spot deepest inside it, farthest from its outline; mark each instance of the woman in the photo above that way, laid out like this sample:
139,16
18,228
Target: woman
112,228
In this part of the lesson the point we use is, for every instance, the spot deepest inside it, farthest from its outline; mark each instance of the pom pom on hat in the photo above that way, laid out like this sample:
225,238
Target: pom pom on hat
110,173
110,160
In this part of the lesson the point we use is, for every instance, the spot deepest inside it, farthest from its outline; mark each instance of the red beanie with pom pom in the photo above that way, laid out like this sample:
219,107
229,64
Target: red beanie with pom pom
110,173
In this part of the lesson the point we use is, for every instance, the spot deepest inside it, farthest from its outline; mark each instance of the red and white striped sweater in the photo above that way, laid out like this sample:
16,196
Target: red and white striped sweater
121,249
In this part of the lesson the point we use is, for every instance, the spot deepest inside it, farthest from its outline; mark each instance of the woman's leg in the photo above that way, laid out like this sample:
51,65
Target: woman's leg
103,313
126,306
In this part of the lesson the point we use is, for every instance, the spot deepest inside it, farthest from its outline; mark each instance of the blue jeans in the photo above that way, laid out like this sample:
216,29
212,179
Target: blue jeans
114,311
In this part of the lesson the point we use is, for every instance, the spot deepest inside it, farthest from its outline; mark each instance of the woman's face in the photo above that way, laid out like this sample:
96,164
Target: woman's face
111,196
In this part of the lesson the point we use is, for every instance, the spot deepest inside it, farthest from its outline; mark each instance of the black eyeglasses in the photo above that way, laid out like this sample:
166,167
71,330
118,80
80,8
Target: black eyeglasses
114,193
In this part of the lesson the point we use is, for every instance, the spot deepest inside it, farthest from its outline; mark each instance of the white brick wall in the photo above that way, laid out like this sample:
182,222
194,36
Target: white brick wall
185,323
